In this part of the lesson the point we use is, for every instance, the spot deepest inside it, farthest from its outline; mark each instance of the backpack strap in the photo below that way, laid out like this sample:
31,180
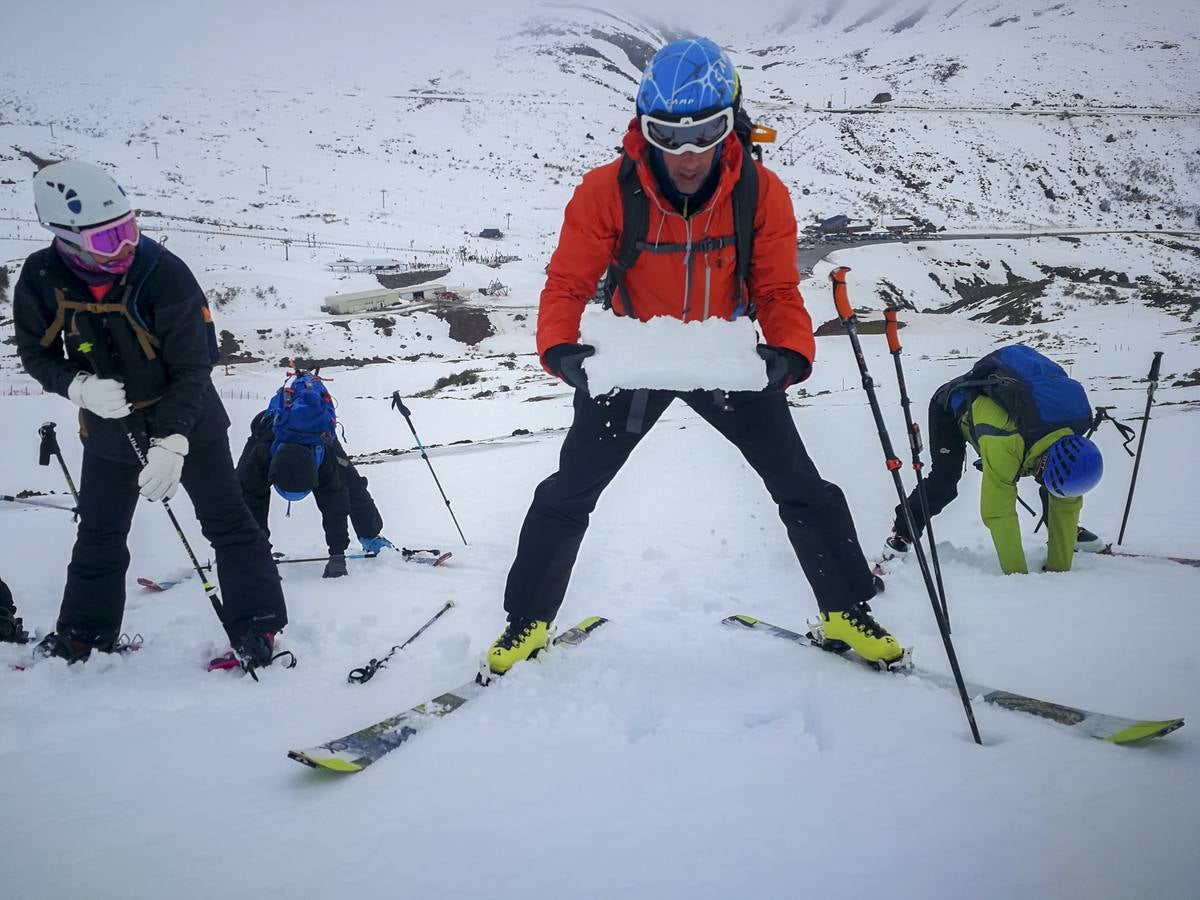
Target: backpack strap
146,341
745,203
634,227
636,224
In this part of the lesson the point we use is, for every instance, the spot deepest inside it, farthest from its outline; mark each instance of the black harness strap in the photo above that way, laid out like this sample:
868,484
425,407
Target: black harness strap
708,245
745,202
635,227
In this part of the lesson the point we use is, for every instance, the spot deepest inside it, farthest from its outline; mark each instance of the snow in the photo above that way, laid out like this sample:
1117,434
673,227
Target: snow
710,355
668,756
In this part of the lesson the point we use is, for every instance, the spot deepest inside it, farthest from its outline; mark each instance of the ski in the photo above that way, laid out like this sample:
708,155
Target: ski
356,751
157,587
1182,560
1114,729
421,557
425,557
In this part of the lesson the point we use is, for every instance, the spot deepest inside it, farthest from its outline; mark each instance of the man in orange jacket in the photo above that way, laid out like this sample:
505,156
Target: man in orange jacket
688,159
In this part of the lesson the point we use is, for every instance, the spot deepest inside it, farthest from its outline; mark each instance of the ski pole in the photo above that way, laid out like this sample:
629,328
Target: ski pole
367,672
1137,459
43,503
397,403
209,590
845,312
49,447
914,440
307,559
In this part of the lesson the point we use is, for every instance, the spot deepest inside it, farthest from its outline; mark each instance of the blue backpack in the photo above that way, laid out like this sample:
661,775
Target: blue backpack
302,412
1034,390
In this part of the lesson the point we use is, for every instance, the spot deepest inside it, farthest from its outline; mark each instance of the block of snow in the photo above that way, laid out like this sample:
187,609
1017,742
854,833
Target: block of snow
668,354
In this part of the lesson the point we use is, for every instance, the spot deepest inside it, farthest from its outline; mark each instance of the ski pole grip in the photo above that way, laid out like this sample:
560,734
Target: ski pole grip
893,330
841,298
1158,354
398,403
49,443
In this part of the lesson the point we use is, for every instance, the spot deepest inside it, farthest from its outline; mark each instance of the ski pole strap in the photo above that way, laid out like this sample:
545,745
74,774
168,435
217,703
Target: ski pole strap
367,672
1103,415
841,298
892,328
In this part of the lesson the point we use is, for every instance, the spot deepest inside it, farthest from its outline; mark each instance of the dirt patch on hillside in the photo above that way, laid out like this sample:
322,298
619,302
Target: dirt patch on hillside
468,324
349,361
408,279
230,350
1014,303
1177,303
835,326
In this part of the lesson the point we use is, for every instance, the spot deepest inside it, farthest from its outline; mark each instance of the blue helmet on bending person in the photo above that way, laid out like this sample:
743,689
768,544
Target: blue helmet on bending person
293,470
1073,466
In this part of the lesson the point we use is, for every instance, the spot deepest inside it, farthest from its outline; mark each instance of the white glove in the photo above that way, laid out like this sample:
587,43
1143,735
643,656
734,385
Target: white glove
102,396
164,462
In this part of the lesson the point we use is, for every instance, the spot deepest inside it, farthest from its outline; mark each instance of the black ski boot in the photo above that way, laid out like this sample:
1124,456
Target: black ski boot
74,650
70,649
12,630
1088,541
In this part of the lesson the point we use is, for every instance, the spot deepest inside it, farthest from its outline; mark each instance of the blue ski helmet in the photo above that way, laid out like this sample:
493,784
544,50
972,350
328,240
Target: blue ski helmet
293,470
686,77
1073,466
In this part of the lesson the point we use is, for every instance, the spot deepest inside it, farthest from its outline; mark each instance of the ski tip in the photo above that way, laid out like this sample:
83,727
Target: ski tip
578,632
1144,731
441,560
328,763
590,624
740,619
148,585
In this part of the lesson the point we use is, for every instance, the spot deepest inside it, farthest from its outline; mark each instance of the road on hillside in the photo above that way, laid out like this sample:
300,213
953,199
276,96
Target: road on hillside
809,254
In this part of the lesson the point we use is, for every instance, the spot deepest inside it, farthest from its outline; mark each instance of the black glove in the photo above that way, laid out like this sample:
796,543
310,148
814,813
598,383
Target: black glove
784,367
566,362
336,567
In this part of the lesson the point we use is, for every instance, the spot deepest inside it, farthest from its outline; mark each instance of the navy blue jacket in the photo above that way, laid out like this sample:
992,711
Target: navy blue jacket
169,303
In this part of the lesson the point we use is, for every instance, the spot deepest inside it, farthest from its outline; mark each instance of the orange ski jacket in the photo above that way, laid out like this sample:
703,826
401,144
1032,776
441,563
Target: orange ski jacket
695,282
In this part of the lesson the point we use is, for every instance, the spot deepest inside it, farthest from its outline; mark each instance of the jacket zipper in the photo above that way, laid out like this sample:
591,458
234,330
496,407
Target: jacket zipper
687,261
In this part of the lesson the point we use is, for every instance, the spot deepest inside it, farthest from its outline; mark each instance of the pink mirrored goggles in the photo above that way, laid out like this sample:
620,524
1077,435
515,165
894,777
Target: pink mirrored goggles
106,239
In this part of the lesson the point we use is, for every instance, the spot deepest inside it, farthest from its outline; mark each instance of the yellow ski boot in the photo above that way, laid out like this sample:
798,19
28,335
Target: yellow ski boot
521,639
855,629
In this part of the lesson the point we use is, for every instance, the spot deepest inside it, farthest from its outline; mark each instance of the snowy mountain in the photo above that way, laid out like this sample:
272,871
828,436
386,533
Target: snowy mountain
669,757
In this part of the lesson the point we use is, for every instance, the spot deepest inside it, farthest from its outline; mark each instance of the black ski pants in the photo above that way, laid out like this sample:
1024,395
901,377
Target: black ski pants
948,452
604,433
94,599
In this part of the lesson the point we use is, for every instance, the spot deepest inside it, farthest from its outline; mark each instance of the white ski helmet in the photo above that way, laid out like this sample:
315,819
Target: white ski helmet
76,194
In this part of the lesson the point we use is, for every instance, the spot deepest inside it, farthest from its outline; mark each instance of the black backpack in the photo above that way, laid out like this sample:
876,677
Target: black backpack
636,223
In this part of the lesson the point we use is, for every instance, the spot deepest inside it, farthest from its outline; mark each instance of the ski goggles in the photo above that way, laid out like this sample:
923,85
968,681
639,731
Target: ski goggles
106,239
687,135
